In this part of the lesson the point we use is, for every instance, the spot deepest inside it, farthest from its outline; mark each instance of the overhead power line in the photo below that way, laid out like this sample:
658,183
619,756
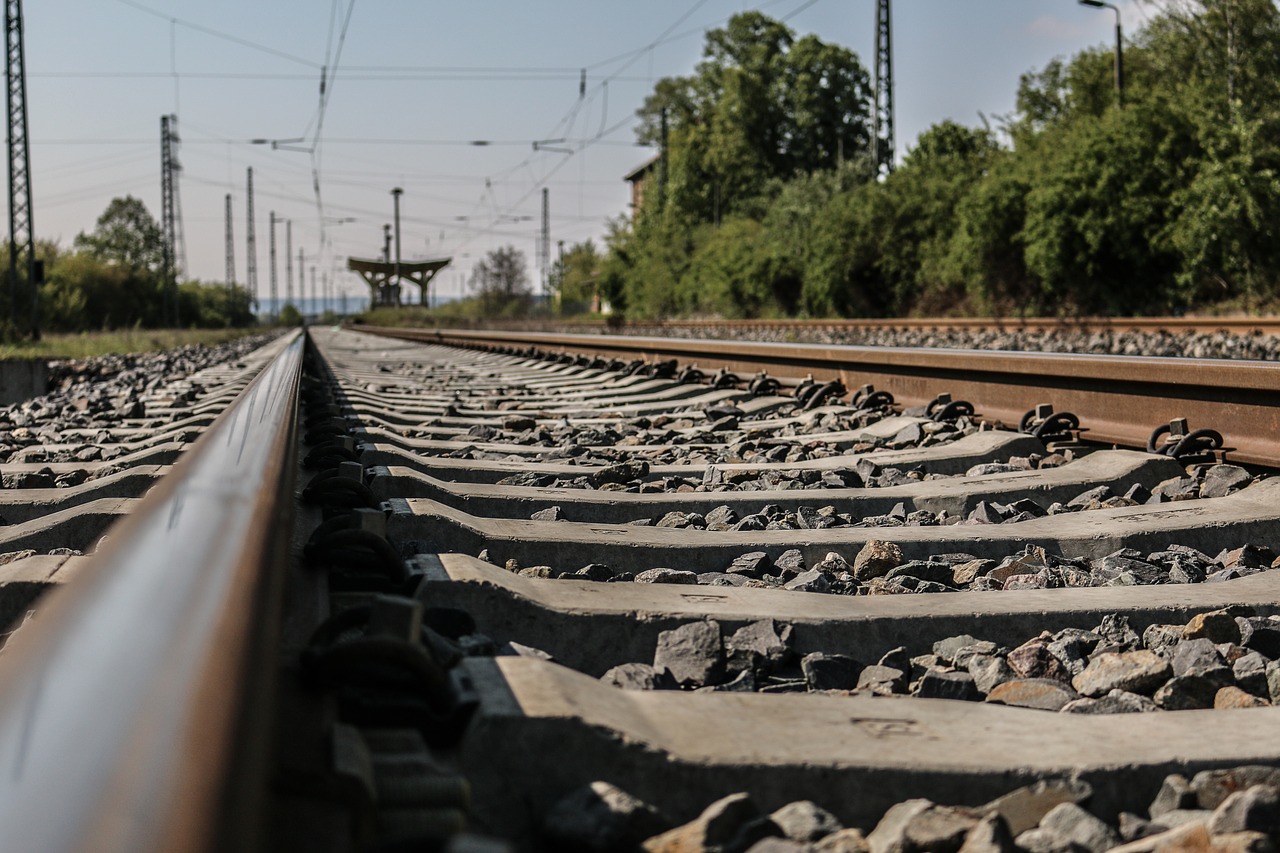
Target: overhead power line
210,31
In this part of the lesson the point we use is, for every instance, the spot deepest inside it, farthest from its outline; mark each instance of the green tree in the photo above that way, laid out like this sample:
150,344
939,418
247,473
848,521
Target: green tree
761,105
125,234
501,282
574,277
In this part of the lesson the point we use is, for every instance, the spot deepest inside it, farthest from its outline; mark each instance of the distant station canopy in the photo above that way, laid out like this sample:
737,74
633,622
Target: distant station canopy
384,286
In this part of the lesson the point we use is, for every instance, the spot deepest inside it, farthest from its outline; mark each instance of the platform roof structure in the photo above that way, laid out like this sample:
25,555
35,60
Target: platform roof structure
385,280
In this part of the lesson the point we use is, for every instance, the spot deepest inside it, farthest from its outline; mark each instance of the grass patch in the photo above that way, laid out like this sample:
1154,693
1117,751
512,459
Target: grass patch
85,344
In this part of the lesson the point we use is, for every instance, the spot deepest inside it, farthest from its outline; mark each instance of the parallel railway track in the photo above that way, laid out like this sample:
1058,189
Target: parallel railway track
508,575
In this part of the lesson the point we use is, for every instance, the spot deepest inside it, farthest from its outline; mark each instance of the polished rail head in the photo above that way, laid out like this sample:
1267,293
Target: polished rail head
122,703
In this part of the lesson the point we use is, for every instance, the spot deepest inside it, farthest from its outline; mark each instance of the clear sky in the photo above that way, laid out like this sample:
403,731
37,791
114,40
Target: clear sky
411,84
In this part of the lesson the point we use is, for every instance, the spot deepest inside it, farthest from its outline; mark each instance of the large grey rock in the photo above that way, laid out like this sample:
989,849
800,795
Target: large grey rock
678,576
1212,787
692,653
1221,480
1255,809
1200,657
789,563
1115,702
939,828
1175,793
633,676
805,821
1250,673
1162,638
989,671
811,581
946,649
989,835
875,559
882,680
1137,672
725,823
842,841
830,672
759,646
941,684
600,818
1044,694
1072,823
753,565
890,834
1024,808
1033,659
1186,693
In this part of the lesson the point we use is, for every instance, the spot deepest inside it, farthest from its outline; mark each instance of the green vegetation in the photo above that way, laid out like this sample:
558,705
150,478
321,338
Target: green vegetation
87,344
1073,204
112,278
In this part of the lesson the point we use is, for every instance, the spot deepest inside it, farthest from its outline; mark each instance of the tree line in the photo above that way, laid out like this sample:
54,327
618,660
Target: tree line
113,278
766,201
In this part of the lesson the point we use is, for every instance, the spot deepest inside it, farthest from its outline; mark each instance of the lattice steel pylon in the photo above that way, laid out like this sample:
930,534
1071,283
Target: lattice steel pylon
168,168
24,302
231,265
544,241
884,145
251,250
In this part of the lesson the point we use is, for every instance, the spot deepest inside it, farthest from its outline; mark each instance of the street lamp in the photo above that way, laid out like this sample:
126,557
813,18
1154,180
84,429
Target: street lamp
1098,4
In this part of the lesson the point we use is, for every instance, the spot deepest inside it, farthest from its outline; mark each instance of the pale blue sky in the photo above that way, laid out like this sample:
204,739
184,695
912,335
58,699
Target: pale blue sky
416,80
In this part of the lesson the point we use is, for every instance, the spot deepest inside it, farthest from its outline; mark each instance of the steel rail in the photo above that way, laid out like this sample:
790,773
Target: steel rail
1119,399
1204,325
130,707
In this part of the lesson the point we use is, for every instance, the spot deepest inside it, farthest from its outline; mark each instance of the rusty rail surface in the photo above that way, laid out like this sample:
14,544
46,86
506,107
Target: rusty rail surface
1119,399
125,720
1205,325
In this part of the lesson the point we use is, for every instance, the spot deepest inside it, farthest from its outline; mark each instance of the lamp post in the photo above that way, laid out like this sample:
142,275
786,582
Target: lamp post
1098,4
395,194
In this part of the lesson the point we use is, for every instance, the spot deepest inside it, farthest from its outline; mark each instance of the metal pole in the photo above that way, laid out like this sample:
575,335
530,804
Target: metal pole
395,194
288,261
251,248
231,266
275,307
1119,62
1100,4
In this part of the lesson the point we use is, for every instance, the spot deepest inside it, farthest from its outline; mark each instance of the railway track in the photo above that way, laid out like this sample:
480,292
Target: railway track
416,596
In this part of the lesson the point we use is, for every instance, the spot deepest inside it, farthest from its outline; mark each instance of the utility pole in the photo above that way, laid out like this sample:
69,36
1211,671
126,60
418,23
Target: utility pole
167,169
302,284
1119,69
395,194
231,265
386,243
22,240
288,261
662,161
275,306
313,287
251,249
884,145
544,238
179,239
